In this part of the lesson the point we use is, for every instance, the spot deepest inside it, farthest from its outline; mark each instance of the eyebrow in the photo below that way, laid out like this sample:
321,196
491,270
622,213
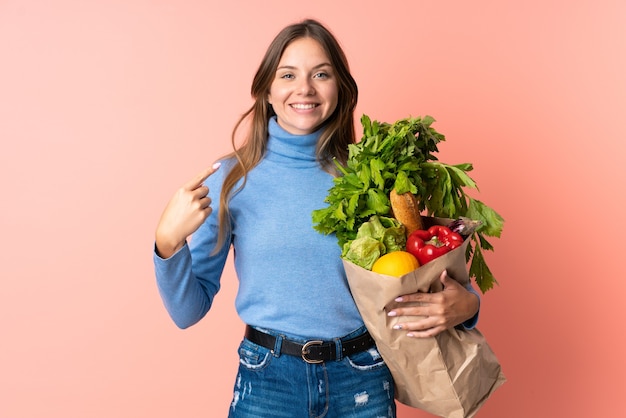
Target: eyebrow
291,67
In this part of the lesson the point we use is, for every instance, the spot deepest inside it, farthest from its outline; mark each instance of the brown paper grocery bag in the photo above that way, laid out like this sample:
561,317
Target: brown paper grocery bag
450,375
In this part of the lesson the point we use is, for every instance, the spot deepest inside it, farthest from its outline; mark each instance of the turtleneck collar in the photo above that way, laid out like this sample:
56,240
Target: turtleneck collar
287,148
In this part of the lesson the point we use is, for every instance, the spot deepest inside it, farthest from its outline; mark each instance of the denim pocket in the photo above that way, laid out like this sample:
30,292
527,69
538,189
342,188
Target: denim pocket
366,360
253,356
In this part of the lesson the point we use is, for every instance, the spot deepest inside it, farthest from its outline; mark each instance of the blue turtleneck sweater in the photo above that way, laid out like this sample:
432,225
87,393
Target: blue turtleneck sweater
291,278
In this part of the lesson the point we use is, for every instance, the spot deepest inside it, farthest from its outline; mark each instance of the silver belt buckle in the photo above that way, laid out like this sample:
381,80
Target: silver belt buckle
305,351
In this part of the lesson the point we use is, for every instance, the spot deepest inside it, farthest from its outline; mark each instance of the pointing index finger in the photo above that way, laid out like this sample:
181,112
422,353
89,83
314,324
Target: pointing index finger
200,178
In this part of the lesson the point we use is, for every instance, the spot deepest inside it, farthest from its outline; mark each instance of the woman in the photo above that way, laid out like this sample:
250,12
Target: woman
306,351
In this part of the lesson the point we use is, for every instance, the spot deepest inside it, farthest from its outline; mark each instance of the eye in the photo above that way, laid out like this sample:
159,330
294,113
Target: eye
321,75
287,76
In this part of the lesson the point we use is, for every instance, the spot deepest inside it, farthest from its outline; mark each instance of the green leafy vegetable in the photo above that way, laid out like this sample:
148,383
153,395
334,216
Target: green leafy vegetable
401,156
376,237
388,156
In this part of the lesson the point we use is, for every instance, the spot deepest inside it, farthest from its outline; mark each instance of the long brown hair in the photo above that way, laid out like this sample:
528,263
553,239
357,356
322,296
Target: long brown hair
338,129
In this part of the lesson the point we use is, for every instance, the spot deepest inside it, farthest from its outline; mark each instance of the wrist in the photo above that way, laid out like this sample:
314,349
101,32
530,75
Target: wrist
473,304
473,308
166,248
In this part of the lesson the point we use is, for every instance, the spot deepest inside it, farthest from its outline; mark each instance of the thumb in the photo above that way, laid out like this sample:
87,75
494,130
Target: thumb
445,279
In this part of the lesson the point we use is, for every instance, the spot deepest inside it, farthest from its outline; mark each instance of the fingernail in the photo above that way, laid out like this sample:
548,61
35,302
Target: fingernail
410,334
399,299
392,313
398,326
216,165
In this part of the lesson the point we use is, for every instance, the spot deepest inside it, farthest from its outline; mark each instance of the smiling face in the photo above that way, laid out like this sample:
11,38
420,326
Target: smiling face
304,91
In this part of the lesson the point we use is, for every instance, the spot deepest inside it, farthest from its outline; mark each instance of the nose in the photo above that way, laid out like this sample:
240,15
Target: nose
306,87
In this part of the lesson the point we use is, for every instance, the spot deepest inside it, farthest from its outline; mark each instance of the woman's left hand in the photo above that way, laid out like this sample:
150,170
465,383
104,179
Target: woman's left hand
440,311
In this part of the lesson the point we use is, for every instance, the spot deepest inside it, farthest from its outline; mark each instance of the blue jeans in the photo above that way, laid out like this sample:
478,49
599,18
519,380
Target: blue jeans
283,386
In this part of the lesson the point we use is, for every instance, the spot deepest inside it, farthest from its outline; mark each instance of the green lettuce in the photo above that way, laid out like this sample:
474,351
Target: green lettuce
376,237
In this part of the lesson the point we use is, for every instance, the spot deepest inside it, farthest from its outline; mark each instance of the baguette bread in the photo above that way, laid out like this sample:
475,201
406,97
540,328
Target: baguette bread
405,210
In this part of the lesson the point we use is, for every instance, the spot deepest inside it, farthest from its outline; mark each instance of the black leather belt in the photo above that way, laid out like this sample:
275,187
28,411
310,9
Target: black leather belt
314,351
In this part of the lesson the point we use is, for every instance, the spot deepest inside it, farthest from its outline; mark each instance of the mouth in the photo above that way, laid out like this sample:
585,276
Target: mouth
304,106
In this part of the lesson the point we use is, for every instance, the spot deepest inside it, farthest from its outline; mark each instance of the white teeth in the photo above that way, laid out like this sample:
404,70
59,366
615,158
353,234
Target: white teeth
303,106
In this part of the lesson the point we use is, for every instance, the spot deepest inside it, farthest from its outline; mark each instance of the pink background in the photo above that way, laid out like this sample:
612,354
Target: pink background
107,106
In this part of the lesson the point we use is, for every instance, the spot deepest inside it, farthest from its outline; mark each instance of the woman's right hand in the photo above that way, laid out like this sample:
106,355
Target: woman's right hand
183,215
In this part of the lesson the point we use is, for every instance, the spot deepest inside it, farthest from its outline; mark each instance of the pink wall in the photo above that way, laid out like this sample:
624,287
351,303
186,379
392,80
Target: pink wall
107,106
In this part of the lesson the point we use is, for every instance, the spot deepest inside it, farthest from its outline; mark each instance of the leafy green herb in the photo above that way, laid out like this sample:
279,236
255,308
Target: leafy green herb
401,156
388,156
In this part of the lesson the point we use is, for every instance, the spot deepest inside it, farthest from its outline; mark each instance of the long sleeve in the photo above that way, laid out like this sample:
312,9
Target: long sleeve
189,280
